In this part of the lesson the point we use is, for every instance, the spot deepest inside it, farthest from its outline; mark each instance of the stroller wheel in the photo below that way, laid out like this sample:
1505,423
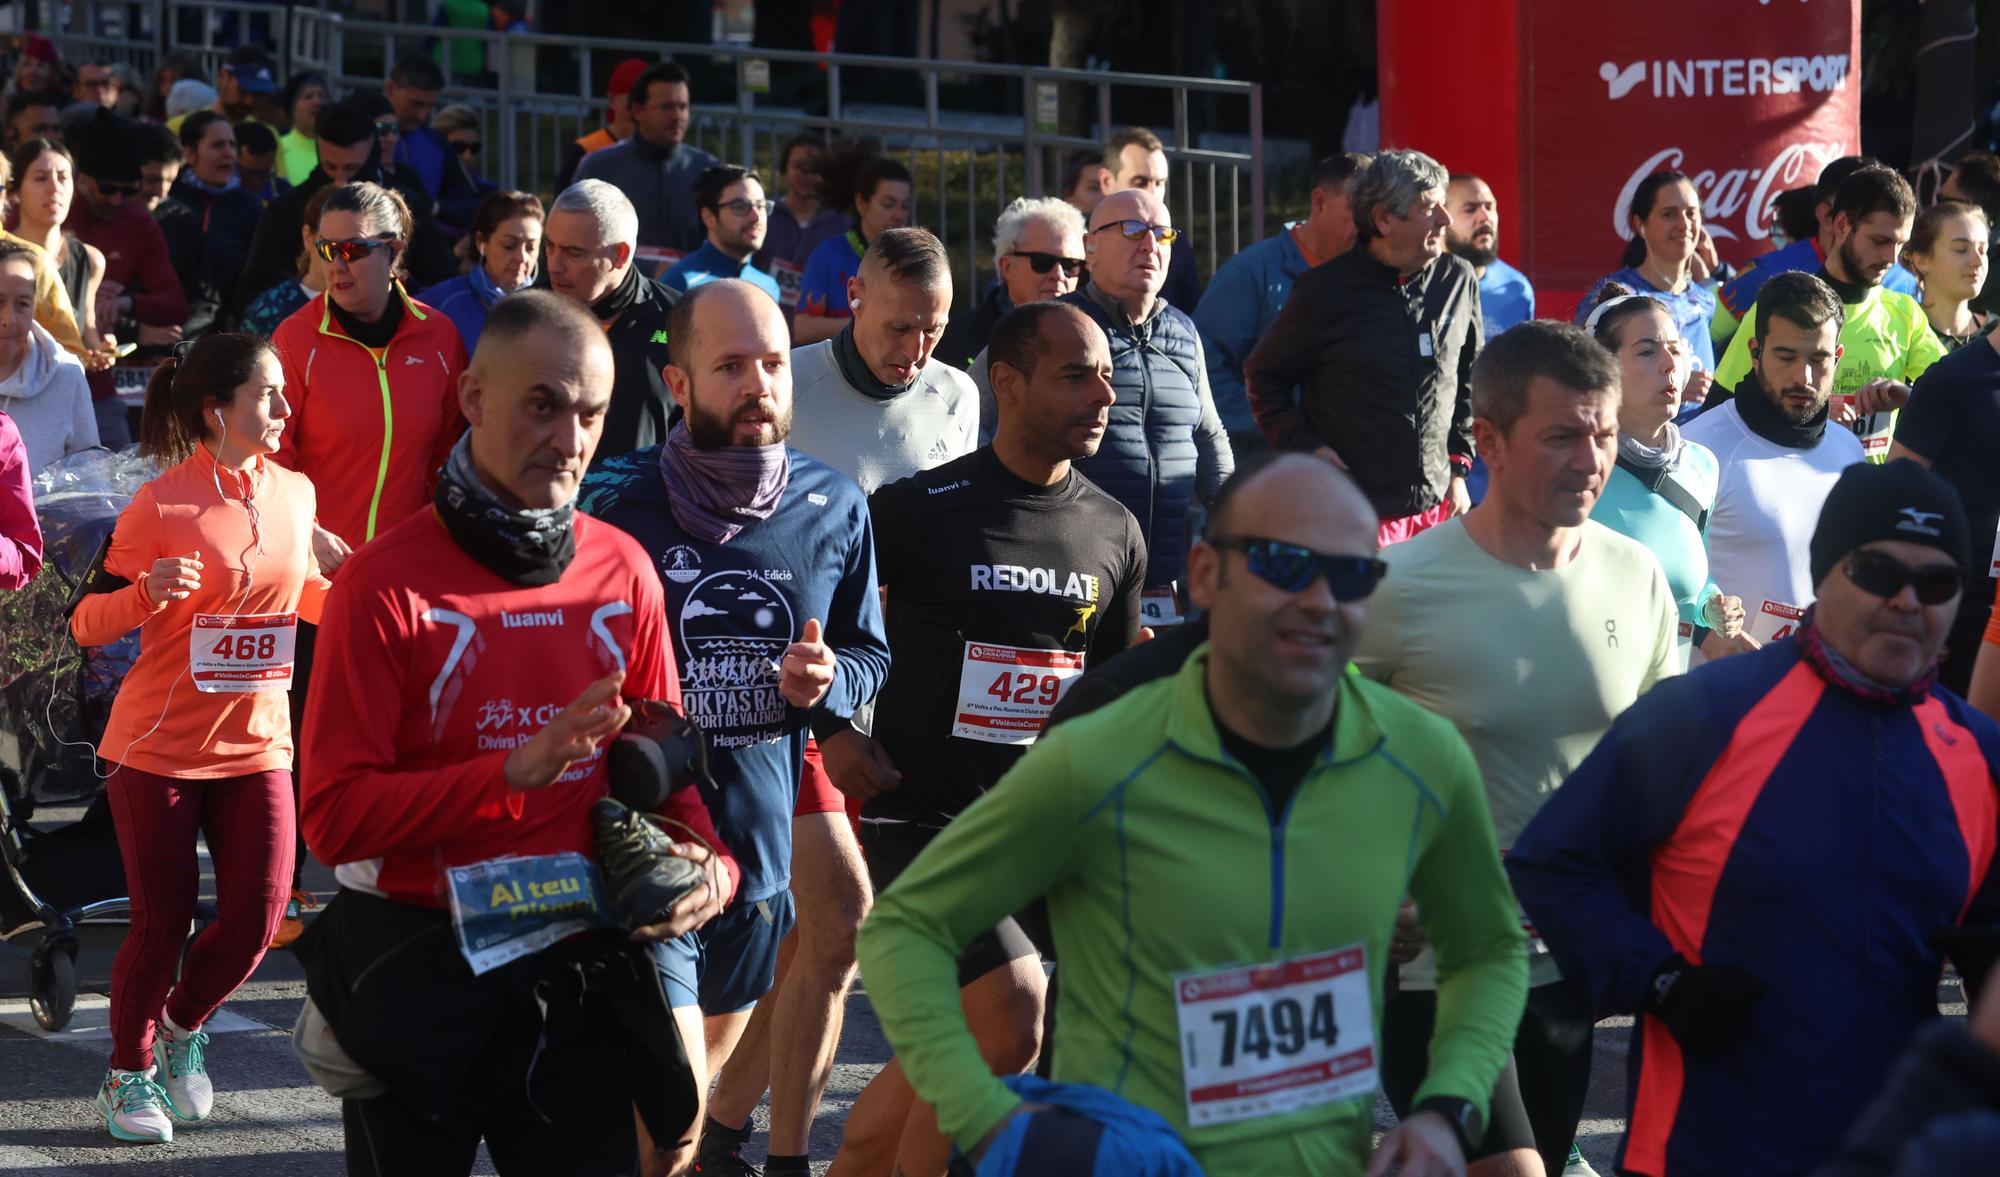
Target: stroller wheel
52,984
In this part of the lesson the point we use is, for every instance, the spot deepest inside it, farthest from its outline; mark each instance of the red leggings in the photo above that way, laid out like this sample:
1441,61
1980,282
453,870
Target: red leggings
248,821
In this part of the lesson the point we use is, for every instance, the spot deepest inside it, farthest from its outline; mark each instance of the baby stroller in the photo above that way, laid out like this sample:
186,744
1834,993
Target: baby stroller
55,698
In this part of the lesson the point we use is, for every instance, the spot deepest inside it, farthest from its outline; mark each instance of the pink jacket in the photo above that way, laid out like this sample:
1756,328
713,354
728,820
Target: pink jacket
20,535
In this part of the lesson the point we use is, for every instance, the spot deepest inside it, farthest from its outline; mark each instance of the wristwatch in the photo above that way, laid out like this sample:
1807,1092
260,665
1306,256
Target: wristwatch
1461,1114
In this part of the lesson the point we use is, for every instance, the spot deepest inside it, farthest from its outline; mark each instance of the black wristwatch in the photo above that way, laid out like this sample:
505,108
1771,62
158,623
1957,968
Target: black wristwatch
1462,1115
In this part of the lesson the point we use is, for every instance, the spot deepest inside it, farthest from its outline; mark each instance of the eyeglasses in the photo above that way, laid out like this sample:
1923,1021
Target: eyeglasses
110,188
1885,576
466,146
348,252
741,206
1133,230
1292,568
1042,263
386,128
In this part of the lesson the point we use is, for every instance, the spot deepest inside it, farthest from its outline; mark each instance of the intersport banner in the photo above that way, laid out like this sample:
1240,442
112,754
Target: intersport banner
1747,97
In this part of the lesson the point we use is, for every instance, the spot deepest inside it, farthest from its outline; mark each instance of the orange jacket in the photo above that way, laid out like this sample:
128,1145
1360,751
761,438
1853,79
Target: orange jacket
161,722
370,430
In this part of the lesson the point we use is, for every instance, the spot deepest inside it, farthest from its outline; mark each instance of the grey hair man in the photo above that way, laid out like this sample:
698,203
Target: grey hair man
591,235
1038,251
1370,362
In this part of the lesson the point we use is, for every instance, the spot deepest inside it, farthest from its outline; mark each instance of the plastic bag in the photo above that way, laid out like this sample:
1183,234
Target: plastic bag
53,693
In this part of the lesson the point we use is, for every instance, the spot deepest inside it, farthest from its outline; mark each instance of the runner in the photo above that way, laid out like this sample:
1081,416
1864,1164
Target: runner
1590,625
1666,241
480,654
1258,808
875,192
1775,455
1007,573
769,566
1886,341
1663,487
874,404
1761,859
214,565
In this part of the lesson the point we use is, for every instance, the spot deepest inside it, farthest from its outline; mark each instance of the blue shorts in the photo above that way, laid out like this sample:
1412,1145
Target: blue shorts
725,965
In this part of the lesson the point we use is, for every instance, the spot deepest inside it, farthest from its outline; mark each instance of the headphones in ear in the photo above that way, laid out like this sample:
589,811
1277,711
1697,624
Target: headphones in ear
218,418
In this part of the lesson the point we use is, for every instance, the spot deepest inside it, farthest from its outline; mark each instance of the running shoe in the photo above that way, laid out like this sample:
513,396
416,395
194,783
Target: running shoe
644,875
134,1107
179,1059
292,926
723,1158
1577,1166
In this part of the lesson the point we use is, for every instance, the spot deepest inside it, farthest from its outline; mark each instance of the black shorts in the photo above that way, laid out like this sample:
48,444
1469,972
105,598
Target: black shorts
889,848
1538,1099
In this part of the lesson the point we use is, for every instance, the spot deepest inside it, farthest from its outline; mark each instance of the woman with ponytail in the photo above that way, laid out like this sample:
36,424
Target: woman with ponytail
213,563
1670,258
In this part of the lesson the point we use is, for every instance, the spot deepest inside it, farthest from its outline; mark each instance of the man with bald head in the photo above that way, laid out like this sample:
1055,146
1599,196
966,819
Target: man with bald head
768,566
479,658
1165,452
1223,853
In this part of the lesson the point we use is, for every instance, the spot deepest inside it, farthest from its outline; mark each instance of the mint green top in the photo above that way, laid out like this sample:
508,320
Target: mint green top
1629,509
1159,855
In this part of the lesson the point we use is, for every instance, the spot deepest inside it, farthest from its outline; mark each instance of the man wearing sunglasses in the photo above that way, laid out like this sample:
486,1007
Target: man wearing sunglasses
1038,251
1135,160
1165,450
1530,627
1369,364
1259,808
1770,859
736,217
1248,291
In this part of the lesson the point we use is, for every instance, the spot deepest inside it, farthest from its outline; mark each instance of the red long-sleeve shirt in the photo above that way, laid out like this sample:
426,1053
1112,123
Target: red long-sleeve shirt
430,669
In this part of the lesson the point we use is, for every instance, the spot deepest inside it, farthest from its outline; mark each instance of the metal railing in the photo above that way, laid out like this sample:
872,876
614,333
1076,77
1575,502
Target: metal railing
536,95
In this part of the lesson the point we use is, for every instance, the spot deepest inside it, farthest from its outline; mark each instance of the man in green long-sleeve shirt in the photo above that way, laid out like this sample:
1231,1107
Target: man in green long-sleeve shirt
1223,854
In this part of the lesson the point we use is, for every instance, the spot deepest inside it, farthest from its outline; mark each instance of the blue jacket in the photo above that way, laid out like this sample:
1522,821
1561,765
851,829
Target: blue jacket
1239,304
1761,813
425,153
708,263
1164,447
1506,297
1084,1131
463,303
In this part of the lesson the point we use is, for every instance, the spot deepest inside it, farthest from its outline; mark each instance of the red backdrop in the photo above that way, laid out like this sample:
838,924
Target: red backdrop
1565,105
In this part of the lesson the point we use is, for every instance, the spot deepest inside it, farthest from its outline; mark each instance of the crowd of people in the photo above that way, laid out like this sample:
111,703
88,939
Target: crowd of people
1190,707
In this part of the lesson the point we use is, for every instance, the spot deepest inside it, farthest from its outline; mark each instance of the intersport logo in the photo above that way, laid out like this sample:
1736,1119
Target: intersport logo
1733,200
1727,77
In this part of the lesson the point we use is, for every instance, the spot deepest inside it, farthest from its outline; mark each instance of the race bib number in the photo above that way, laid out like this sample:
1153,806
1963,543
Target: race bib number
230,654
1269,1039
789,276
1005,693
1775,622
1159,606
507,908
1876,430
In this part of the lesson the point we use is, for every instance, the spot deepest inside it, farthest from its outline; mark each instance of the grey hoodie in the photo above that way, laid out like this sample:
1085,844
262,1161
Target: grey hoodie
49,399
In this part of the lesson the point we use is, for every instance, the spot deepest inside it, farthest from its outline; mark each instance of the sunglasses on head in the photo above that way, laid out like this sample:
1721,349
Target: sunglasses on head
1292,568
347,251
1133,230
1042,263
1885,576
466,146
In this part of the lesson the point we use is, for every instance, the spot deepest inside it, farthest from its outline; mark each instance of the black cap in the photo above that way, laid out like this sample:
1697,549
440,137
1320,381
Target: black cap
251,67
1901,501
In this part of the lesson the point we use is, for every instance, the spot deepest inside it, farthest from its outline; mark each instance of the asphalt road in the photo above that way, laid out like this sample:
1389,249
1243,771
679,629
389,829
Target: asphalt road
270,1120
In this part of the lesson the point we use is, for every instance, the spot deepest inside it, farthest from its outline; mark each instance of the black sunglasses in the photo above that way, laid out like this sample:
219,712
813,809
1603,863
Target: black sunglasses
386,128
1293,568
465,146
1042,263
109,188
1885,576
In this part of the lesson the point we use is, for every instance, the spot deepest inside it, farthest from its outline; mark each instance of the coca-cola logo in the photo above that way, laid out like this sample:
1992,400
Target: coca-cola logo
1735,202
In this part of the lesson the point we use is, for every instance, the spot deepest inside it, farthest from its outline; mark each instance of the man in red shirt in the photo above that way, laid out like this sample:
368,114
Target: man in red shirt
140,297
479,658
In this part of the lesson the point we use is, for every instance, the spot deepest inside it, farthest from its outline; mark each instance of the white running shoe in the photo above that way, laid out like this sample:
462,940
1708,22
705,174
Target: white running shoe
1577,1166
134,1107
178,1059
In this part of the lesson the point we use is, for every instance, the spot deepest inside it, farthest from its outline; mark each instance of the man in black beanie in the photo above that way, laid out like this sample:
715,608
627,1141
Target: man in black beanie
1769,859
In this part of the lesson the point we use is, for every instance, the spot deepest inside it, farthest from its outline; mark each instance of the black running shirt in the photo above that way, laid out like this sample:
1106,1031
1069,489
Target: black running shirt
1000,592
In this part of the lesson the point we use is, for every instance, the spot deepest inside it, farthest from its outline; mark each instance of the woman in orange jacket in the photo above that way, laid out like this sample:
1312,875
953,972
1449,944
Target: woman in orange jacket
216,555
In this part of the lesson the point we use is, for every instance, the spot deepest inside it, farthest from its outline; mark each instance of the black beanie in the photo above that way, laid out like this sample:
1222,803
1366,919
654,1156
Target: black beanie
106,148
1901,500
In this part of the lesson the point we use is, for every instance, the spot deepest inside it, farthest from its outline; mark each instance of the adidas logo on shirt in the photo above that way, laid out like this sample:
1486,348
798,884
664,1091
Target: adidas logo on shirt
939,451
